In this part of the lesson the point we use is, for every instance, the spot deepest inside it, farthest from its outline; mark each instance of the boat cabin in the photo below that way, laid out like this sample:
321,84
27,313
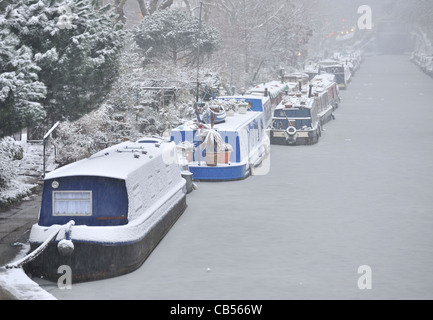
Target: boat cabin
226,151
341,71
296,122
101,190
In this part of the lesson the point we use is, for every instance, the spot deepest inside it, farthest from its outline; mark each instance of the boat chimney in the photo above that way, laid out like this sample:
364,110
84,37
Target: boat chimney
300,86
311,89
266,92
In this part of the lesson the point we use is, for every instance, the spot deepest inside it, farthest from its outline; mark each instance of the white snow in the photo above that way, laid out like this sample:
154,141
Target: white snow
19,285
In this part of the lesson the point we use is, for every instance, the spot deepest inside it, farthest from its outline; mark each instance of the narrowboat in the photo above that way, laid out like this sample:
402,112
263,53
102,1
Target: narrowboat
298,80
327,84
228,151
108,212
275,90
341,71
296,122
325,109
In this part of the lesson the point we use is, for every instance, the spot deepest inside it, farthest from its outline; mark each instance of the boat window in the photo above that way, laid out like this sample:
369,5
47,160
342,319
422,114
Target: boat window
280,124
72,203
334,70
148,141
293,113
298,124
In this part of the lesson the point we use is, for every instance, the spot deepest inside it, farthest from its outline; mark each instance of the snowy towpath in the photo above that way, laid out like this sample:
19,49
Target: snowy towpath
362,196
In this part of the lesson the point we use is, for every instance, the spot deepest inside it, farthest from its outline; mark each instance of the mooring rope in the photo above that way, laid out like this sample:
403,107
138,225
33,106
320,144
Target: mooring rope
37,252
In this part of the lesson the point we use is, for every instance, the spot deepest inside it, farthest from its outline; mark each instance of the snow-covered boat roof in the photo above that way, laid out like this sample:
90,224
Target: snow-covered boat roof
274,88
245,97
330,63
117,162
289,102
297,75
233,123
323,80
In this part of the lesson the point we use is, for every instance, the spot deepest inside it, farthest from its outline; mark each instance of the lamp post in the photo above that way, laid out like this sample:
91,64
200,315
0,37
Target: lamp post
47,135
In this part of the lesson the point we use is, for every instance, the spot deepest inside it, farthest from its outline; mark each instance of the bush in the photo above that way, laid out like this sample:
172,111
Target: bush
11,189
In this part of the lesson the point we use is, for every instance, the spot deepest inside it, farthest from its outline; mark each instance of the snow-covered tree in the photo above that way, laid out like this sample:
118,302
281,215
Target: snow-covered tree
20,89
76,45
258,34
173,34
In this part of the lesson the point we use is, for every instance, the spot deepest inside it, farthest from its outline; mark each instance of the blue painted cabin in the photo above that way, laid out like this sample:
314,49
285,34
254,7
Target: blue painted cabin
117,205
243,144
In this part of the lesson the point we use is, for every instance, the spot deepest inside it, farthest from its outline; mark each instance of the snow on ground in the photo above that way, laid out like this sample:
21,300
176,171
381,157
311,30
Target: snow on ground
19,285
29,169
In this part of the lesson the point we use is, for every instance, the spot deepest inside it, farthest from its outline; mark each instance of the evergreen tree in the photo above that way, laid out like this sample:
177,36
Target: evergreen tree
20,89
172,34
76,45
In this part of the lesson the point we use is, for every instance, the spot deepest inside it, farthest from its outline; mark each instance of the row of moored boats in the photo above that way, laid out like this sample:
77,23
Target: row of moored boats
103,216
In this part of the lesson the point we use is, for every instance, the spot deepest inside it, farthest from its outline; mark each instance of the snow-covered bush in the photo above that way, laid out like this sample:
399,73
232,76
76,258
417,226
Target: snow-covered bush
80,139
11,148
10,189
9,151
150,111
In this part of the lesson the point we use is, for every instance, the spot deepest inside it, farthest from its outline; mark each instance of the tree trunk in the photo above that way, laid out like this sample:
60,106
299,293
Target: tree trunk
166,4
153,6
143,8
119,4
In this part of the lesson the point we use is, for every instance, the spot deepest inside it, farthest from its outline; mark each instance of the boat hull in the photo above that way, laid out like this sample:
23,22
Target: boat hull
220,173
326,116
92,261
300,139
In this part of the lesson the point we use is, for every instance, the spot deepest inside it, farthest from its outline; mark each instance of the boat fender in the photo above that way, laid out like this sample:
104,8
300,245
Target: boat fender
65,248
291,131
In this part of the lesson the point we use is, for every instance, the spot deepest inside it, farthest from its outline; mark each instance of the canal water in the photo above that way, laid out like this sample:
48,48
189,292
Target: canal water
363,196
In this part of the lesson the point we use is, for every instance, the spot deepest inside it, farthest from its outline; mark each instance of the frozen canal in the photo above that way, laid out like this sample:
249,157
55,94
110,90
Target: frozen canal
362,196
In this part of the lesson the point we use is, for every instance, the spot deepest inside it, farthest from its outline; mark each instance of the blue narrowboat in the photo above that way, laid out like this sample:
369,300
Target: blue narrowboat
228,151
296,122
107,213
